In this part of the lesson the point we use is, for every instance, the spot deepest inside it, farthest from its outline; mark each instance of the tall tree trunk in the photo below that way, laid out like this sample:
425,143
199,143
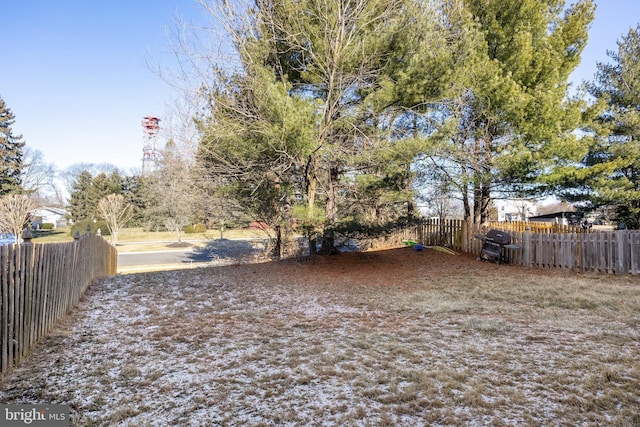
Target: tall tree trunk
464,187
331,211
411,207
277,250
311,184
482,177
481,198
485,200
477,199
485,178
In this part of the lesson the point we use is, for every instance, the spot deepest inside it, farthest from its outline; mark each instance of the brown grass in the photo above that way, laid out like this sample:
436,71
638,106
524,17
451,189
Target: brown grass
381,338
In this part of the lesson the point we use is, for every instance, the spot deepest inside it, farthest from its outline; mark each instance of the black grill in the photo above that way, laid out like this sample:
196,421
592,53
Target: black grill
494,242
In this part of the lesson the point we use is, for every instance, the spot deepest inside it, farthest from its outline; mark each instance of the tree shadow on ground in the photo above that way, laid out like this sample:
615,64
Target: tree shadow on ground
225,249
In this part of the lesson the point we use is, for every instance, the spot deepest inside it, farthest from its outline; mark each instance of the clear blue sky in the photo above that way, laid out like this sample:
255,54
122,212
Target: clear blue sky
73,71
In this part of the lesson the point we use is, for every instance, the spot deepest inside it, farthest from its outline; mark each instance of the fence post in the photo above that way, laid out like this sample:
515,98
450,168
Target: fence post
26,275
526,243
464,244
27,235
619,237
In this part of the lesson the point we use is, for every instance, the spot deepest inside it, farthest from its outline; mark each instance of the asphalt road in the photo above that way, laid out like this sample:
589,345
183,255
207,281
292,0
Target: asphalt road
221,251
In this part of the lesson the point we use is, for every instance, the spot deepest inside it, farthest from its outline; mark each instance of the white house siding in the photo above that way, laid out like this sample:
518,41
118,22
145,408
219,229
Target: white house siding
55,216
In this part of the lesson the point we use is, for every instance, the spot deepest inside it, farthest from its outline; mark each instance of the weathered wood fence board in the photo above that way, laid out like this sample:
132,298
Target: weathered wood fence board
449,233
40,283
612,252
429,232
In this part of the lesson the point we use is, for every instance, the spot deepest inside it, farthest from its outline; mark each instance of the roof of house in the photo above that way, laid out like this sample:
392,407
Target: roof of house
556,208
48,211
561,214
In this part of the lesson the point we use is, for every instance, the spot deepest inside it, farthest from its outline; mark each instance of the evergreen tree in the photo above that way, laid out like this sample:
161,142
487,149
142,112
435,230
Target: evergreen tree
103,185
86,192
319,63
525,121
504,114
11,147
610,172
136,192
339,98
255,145
81,203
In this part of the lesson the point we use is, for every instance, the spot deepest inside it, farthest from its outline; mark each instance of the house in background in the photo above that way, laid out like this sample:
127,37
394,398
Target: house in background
56,216
515,209
561,213
561,217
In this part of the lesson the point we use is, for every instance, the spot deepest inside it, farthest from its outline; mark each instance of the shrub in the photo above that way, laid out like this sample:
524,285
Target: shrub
81,227
198,228
154,226
47,226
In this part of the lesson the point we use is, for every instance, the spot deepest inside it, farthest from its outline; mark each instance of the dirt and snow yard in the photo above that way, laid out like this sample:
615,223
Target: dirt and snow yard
391,337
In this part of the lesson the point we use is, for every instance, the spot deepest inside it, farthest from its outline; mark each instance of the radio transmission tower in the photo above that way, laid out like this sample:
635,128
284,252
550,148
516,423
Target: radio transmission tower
150,129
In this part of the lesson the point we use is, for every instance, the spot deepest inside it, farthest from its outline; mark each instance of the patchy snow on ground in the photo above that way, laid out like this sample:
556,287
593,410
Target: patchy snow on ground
361,341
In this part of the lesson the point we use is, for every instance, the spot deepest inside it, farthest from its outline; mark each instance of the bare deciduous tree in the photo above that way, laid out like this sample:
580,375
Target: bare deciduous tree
14,213
116,212
40,179
173,190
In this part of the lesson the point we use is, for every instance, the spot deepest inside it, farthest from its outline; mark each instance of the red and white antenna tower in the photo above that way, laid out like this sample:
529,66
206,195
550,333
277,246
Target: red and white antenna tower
150,129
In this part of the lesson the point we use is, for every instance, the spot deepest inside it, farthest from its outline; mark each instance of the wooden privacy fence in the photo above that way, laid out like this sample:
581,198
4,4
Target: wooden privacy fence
429,232
537,227
541,245
451,233
40,283
614,252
